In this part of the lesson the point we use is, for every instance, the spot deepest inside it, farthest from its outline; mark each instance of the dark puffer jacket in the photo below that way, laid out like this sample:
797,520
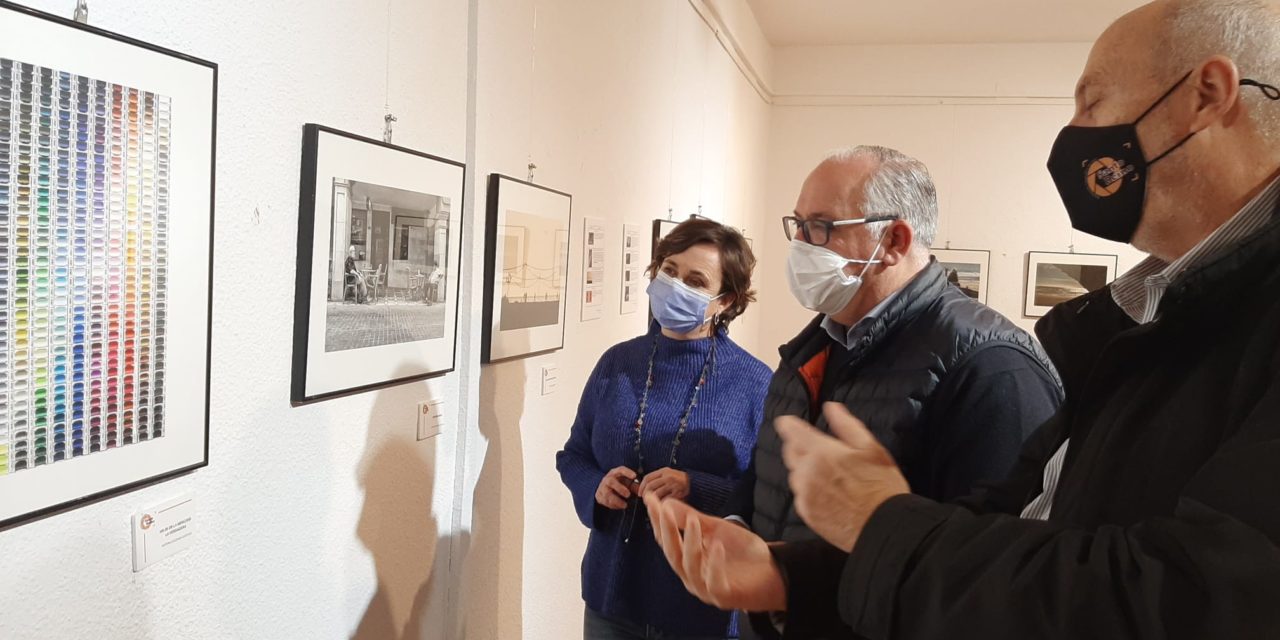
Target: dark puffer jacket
951,387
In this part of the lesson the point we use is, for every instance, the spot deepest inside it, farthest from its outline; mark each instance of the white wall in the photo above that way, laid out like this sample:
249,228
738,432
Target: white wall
332,521
317,522
633,108
981,117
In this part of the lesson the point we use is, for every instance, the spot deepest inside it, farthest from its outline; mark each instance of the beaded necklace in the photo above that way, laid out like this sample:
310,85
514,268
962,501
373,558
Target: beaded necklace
684,419
633,504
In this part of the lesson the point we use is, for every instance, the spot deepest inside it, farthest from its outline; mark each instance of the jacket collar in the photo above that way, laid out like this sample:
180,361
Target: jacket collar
1074,332
910,301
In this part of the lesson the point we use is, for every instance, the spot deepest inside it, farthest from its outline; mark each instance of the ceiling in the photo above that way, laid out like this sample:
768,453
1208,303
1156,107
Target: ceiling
846,22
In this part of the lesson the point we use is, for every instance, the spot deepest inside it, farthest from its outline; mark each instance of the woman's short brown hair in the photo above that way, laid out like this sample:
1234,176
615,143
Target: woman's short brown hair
737,261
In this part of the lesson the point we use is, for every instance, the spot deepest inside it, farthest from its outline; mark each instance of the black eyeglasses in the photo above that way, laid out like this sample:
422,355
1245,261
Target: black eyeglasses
818,232
1267,90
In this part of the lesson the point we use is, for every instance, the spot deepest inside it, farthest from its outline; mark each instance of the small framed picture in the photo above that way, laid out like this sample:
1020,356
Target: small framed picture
660,230
967,269
526,269
1054,278
385,311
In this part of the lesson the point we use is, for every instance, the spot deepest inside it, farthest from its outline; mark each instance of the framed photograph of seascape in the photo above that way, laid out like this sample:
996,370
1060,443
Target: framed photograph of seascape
967,269
1054,278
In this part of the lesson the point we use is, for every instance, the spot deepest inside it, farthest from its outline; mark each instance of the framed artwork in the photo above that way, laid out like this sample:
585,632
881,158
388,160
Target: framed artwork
660,230
966,269
526,269
384,312
107,149
1054,278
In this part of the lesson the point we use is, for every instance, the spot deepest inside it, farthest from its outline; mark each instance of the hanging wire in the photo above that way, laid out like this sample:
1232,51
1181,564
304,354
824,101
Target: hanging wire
531,104
702,155
671,150
388,118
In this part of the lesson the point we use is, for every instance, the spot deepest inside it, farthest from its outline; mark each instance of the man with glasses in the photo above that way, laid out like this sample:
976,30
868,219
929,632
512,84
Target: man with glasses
950,387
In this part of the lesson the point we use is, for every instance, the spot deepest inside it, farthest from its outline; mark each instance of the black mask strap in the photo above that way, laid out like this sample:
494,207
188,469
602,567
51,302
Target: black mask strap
1267,90
1162,98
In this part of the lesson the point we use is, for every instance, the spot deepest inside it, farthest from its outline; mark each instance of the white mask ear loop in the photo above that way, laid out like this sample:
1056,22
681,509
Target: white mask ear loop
871,261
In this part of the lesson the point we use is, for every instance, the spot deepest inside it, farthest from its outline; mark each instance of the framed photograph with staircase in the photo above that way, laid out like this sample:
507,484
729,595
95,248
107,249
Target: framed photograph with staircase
379,256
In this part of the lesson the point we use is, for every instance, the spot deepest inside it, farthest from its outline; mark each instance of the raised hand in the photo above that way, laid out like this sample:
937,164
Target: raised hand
720,562
837,483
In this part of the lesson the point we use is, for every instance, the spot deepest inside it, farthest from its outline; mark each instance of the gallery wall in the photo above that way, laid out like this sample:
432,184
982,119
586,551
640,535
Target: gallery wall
332,520
634,108
327,521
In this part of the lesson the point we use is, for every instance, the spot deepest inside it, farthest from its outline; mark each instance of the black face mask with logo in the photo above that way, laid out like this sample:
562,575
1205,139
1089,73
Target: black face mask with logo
1101,172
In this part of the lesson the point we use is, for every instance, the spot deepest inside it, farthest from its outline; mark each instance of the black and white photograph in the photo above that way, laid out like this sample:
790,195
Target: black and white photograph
387,292
526,269
966,269
378,257
1055,278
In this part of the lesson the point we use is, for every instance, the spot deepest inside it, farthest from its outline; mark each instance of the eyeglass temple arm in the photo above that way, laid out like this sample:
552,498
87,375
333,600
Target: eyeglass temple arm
868,220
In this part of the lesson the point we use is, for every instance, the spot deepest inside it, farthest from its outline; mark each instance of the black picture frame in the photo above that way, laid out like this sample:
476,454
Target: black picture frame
304,389
661,228
501,188
1033,306
115,488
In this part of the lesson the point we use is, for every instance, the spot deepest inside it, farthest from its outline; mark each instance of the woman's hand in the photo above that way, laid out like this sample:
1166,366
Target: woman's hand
666,483
615,488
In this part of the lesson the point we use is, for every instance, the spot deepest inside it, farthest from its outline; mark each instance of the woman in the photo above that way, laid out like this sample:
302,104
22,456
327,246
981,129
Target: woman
673,413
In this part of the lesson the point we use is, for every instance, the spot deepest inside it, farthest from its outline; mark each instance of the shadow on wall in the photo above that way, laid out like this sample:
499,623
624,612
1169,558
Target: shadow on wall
398,527
494,563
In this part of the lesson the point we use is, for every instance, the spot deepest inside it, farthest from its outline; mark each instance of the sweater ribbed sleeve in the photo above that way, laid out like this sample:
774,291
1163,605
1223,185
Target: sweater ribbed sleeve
576,462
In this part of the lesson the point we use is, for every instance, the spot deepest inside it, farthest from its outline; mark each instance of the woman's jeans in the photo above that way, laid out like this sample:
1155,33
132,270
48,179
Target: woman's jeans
598,627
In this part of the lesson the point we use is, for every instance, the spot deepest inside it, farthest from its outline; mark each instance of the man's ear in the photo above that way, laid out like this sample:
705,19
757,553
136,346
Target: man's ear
1217,92
896,242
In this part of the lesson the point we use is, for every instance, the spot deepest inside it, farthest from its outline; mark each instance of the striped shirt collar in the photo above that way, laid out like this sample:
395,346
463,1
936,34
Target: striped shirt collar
1139,291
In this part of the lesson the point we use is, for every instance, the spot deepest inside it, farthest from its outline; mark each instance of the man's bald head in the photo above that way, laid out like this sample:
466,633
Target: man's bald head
1194,53
1246,31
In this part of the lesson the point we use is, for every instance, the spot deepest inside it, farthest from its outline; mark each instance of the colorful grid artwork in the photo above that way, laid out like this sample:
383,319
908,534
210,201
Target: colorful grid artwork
84,209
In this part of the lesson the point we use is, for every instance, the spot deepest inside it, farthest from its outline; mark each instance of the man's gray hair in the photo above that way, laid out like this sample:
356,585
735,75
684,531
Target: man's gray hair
898,185
1247,31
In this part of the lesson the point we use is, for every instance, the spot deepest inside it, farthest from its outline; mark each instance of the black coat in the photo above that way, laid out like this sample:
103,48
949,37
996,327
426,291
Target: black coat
1167,515
949,386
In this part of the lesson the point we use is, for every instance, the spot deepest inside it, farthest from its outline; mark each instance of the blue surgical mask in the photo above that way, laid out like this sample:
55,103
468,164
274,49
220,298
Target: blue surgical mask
677,306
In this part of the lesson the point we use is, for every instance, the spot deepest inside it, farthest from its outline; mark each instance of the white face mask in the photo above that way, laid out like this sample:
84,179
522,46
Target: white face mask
817,278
